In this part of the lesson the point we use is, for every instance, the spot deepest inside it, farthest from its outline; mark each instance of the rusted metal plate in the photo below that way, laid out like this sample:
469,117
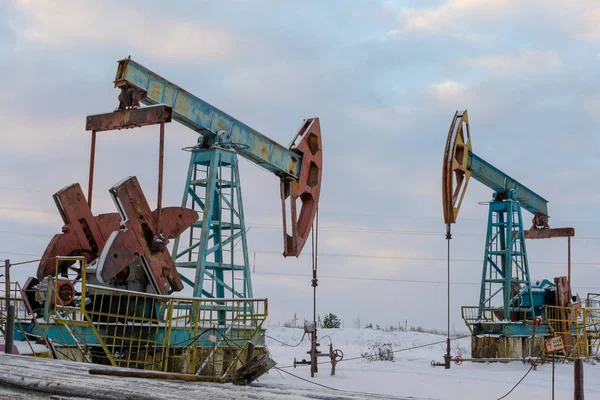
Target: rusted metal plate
554,343
549,233
140,237
563,301
307,188
130,118
83,232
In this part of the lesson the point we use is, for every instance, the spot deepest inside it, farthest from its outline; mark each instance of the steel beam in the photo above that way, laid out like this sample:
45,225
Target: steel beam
208,120
497,180
132,118
549,233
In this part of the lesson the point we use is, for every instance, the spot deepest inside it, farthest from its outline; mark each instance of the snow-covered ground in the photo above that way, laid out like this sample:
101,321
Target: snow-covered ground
410,374
26,348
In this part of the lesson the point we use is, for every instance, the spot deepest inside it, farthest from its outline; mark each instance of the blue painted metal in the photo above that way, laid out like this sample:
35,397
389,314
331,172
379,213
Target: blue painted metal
505,283
215,247
515,328
58,334
208,120
500,182
542,295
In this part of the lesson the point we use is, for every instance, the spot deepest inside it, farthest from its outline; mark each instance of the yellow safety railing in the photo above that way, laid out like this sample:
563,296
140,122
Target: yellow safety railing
593,300
579,328
21,312
154,332
471,316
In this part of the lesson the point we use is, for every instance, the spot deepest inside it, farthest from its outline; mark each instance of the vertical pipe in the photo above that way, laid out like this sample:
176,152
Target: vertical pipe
316,282
10,312
552,375
507,255
448,357
578,377
10,329
313,342
569,261
7,281
92,160
161,152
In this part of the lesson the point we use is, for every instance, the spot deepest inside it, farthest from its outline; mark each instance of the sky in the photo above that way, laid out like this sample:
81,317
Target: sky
384,77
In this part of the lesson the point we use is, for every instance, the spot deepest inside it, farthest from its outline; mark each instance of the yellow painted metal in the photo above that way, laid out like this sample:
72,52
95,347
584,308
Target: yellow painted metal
470,314
579,328
21,313
199,336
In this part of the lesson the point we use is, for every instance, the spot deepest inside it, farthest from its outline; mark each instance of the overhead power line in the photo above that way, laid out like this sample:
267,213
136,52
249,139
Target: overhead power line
332,229
365,278
407,258
347,214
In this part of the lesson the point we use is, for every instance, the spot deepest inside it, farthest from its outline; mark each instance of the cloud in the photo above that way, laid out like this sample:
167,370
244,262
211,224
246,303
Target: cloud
30,137
455,18
469,19
450,92
385,105
20,214
523,62
580,18
100,24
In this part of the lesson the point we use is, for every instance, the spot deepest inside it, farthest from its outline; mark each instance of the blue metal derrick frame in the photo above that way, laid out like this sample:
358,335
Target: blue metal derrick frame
505,262
213,188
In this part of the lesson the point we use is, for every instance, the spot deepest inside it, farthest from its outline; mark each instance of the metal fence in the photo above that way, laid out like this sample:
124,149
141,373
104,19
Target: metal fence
578,327
202,336
22,315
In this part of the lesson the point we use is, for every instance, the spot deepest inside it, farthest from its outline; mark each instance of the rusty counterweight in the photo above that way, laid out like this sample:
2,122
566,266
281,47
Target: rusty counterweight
307,188
83,233
142,237
118,239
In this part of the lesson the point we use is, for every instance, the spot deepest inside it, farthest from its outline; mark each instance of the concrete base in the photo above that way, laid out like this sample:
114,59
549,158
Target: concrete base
506,347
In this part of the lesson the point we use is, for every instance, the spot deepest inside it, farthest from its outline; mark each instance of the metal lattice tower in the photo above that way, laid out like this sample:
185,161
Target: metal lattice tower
506,278
215,246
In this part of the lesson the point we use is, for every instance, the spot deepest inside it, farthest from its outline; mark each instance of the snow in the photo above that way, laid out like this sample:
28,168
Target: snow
24,377
410,374
26,348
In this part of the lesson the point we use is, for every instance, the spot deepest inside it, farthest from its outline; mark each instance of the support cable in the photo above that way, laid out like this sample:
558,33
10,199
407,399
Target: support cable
30,261
306,380
394,351
526,373
288,345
